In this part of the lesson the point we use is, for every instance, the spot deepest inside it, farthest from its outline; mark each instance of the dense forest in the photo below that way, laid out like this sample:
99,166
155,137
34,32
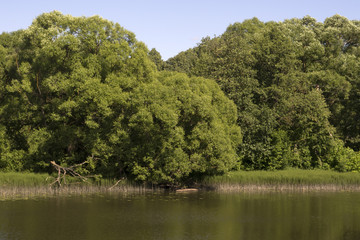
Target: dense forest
83,90
296,85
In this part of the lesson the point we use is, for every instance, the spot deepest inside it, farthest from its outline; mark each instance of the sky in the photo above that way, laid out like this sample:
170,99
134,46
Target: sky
172,26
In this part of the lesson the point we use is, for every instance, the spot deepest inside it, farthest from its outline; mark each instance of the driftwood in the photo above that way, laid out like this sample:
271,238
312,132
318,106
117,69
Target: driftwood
187,190
116,183
62,171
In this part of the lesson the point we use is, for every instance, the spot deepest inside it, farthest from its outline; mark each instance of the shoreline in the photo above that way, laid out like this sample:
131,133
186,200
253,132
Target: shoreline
31,185
13,193
284,188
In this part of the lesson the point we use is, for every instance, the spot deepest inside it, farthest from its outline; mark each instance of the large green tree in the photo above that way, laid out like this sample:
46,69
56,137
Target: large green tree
77,89
295,84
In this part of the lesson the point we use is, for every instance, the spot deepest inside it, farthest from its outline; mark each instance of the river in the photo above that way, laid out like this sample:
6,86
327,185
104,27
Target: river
200,215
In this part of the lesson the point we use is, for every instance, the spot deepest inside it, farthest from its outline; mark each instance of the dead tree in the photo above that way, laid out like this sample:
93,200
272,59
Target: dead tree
63,171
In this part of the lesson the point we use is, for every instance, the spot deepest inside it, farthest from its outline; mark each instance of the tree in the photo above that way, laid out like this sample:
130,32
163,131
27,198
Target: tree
293,82
180,128
79,90
155,56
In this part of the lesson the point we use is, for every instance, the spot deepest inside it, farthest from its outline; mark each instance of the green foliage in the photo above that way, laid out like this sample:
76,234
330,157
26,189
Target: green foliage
294,177
156,58
345,159
10,159
84,89
295,84
77,89
179,128
23,179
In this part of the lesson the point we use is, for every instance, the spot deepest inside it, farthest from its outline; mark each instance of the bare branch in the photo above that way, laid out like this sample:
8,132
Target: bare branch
116,183
62,171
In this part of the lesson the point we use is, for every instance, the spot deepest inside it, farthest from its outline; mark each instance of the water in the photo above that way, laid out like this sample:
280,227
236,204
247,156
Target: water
202,215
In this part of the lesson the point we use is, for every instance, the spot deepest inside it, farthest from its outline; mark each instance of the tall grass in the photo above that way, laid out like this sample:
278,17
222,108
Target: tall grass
15,185
27,179
24,185
290,179
16,179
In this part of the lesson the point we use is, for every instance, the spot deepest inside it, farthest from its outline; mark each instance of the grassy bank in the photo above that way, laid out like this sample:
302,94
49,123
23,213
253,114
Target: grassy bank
292,179
14,185
27,179
16,179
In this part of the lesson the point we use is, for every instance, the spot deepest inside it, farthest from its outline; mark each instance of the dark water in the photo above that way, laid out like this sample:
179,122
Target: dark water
185,216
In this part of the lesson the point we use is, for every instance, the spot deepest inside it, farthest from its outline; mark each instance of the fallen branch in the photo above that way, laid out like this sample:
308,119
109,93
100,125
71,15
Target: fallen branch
62,171
116,183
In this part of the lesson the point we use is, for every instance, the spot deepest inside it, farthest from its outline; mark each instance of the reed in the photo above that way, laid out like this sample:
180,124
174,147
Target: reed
23,179
14,185
13,193
29,185
291,179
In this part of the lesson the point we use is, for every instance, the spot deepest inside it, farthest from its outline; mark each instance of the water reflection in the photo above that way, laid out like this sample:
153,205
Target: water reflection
200,215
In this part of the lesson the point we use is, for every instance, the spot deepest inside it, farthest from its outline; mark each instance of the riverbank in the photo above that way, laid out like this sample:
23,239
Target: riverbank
15,185
285,180
27,185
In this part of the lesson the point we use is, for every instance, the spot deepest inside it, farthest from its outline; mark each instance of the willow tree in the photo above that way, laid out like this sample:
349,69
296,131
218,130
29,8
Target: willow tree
78,89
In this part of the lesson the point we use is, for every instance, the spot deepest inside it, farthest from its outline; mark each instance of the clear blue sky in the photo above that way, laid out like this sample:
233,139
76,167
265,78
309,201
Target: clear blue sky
172,26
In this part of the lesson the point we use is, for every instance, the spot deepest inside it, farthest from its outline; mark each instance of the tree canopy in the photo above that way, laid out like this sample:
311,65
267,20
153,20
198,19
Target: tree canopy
76,89
268,96
295,84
